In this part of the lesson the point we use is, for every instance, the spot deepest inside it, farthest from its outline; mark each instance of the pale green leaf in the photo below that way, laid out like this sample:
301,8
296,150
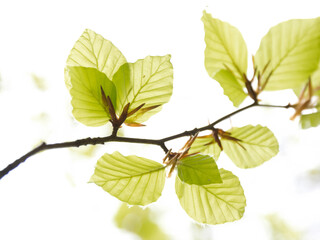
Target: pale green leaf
86,95
310,120
257,145
198,169
131,179
148,81
141,221
231,87
213,203
315,78
225,48
92,50
40,82
282,230
315,82
291,52
207,146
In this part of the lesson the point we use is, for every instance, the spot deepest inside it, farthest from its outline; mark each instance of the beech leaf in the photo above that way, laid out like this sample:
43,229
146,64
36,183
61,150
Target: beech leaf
213,203
131,179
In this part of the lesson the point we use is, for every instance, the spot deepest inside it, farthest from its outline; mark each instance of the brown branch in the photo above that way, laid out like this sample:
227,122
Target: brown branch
77,143
113,138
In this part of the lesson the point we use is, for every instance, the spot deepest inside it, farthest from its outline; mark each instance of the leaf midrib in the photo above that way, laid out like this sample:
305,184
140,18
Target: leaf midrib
132,176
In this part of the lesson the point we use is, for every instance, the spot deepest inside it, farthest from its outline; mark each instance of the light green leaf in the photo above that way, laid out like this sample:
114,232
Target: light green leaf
92,50
213,203
86,95
257,145
292,49
225,48
148,81
315,78
40,82
310,120
199,169
231,87
282,230
315,82
141,221
207,146
131,179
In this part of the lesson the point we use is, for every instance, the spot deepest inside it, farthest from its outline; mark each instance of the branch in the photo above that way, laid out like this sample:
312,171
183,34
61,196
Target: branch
78,143
113,138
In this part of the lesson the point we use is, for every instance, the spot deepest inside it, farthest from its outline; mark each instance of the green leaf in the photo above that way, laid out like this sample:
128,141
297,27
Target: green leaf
310,120
40,82
225,48
199,169
231,87
315,78
315,82
92,50
85,91
131,179
257,145
141,221
148,81
206,145
213,203
282,230
291,52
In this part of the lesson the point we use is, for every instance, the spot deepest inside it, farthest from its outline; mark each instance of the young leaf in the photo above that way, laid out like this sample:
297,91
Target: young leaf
199,169
206,145
131,179
92,50
87,101
310,120
291,52
213,203
315,82
225,48
147,81
231,87
256,145
141,221
315,78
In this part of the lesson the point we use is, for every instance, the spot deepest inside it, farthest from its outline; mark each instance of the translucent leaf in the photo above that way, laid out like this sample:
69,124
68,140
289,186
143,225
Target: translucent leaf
141,222
315,77
131,179
282,230
40,82
225,48
147,81
315,82
291,52
92,50
86,95
310,120
257,145
199,169
207,146
231,87
213,203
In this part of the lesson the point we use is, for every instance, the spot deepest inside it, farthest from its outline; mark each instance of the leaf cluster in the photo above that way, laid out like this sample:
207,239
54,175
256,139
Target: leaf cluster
105,88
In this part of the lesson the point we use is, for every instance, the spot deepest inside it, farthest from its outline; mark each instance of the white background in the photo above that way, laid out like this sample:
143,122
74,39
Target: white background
48,197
